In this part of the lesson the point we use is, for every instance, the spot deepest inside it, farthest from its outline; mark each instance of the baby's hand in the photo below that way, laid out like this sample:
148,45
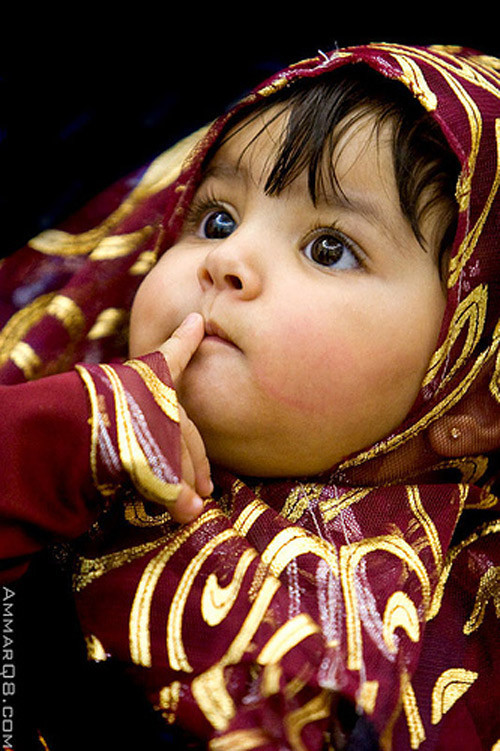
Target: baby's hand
178,350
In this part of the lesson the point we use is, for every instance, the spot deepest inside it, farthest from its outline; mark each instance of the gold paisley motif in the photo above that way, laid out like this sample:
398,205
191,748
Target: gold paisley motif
209,688
118,246
140,613
350,556
414,78
449,687
68,313
400,612
217,601
95,650
21,322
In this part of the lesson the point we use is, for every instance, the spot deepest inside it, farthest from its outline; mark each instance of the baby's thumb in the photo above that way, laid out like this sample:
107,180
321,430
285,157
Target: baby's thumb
183,343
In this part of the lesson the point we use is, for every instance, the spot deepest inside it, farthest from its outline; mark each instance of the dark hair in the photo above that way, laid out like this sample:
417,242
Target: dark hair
321,110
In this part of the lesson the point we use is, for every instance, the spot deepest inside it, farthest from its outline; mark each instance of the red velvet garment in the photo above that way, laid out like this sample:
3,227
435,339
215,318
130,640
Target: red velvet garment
377,584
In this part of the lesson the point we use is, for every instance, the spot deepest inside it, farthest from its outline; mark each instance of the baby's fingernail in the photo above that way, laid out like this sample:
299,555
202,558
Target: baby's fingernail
190,321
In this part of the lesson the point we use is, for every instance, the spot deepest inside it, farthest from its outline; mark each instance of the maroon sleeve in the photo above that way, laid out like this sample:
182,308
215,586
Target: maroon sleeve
67,442
47,493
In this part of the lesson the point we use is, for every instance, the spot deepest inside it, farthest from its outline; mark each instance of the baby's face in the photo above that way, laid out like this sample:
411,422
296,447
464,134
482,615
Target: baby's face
321,320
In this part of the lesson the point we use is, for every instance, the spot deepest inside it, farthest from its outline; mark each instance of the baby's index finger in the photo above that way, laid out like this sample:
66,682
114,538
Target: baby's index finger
183,343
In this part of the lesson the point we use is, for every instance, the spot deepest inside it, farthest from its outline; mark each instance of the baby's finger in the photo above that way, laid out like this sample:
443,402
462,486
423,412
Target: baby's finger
188,505
183,343
195,464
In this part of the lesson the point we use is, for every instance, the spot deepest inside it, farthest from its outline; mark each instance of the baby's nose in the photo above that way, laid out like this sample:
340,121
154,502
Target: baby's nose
227,270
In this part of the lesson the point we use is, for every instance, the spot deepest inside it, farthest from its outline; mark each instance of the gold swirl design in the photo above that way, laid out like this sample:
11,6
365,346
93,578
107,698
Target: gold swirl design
140,613
453,553
107,323
470,313
350,556
316,709
449,687
287,637
217,601
427,524
466,249
400,612
331,507
20,323
489,589
209,688
413,719
292,542
242,740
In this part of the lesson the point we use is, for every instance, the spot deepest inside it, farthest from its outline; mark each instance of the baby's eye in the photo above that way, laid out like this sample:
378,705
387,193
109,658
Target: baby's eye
217,225
332,251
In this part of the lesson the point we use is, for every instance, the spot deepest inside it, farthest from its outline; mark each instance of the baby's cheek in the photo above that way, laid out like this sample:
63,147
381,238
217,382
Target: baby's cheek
305,370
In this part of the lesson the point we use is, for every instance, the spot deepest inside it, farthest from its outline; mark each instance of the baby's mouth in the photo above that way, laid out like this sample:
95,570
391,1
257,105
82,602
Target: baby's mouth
214,332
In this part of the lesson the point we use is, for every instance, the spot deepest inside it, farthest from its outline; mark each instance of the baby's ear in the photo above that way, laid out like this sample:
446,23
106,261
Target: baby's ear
472,428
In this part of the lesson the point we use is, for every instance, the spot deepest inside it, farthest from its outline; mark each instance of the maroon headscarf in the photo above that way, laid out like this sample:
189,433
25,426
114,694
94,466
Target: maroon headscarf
379,585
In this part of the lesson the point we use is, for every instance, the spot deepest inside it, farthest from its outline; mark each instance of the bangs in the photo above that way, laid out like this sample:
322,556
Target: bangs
318,114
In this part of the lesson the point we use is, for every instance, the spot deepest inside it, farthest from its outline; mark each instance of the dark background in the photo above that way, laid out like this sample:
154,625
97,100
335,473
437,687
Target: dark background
84,101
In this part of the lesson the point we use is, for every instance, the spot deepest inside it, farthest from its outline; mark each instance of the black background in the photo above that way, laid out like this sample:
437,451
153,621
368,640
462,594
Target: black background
85,100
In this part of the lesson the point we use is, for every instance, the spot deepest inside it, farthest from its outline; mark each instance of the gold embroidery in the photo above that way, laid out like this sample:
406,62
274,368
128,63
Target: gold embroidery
176,653
68,313
316,709
95,650
489,528
144,263
400,612
24,356
471,312
350,556
249,515
449,687
118,246
169,701
96,417
466,249
415,80
136,514
292,542
132,455
496,747
20,323
331,507
413,719
489,589
239,740
140,613
90,569
209,688
367,696
300,499
217,601
108,322
286,638
164,396
427,524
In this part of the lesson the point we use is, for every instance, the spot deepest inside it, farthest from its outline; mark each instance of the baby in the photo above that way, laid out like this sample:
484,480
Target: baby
313,392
